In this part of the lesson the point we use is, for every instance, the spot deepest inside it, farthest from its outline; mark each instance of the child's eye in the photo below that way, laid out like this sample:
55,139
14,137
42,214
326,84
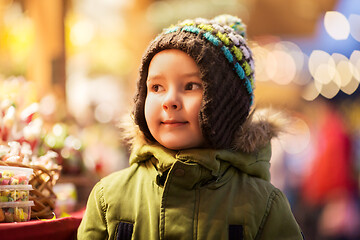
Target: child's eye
156,88
193,86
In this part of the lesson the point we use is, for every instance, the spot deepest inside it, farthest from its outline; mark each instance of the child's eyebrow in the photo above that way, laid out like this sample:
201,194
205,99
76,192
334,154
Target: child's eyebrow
191,74
155,77
184,75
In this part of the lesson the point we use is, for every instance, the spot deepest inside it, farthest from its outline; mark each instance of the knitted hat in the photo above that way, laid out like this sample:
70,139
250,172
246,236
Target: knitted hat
219,48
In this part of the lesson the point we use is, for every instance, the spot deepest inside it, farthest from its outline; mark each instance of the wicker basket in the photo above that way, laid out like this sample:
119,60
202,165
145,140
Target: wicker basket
43,196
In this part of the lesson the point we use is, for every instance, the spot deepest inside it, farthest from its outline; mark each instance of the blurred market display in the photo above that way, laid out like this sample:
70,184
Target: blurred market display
76,62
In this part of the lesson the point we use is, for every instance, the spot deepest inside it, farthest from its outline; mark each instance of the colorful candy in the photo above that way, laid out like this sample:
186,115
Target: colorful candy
9,215
2,216
4,199
13,195
4,181
14,175
15,211
16,180
6,193
20,215
7,174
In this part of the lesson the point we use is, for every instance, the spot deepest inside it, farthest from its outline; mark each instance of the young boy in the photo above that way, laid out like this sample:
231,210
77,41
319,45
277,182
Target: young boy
199,167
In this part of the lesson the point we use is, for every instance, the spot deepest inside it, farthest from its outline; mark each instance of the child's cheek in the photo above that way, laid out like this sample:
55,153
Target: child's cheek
151,107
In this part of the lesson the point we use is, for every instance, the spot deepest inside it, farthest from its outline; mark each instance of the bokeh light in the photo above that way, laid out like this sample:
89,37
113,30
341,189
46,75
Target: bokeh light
321,66
260,54
284,71
344,70
354,21
82,32
104,113
310,92
329,90
355,60
297,139
280,62
336,25
324,73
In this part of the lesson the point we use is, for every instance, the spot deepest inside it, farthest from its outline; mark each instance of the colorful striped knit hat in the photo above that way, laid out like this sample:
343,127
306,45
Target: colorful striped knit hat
219,48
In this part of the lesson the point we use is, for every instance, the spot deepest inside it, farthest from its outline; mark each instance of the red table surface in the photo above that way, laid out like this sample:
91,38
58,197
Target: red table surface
57,229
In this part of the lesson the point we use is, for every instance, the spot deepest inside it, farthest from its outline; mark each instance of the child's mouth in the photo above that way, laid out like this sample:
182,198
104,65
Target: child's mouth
173,123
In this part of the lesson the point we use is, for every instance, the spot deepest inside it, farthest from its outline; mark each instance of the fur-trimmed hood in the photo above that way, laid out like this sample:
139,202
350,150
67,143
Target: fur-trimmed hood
260,127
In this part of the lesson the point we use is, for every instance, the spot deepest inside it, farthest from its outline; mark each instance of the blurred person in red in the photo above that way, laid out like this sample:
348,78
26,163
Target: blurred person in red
329,187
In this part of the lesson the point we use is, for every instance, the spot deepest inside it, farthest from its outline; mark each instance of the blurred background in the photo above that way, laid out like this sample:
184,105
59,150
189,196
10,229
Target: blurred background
74,64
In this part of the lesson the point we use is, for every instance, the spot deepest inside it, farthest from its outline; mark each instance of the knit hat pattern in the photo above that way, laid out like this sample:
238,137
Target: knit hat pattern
220,50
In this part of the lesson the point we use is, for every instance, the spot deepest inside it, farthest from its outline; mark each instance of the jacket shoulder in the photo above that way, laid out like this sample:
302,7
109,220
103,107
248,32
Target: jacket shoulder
278,222
259,187
119,177
274,216
121,184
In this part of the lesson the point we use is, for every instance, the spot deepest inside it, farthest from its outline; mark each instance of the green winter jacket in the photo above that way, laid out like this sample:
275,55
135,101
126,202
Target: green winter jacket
190,194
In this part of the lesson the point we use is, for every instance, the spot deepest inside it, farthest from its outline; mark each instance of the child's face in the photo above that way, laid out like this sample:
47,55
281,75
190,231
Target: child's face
173,101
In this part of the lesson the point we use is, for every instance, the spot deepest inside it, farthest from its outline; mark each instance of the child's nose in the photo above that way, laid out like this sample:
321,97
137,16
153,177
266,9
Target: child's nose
171,102
167,107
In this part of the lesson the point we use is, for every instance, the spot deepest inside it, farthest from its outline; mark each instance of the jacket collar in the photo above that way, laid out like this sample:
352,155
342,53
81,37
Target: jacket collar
256,163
